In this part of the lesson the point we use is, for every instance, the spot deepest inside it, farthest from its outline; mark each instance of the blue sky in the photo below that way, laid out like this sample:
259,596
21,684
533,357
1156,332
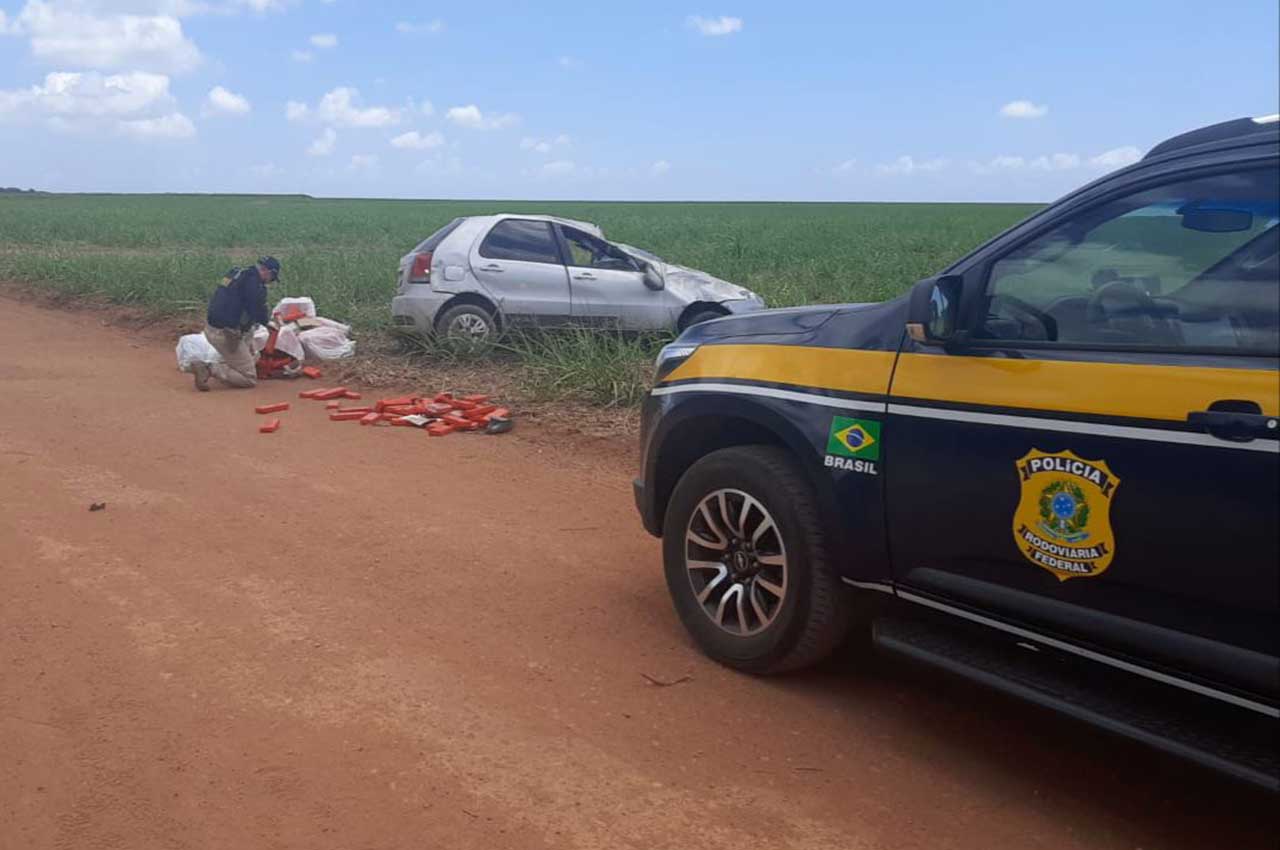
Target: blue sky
664,100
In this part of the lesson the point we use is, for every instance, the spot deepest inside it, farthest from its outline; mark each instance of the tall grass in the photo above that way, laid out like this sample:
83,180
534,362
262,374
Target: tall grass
167,252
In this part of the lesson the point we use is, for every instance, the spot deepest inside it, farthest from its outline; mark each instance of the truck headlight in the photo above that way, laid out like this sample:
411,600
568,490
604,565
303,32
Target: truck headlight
670,357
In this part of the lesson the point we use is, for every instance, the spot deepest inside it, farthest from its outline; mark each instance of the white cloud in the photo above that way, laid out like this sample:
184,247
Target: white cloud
558,168
301,55
1116,157
427,108
723,25
1005,162
172,126
323,146
659,168
908,165
845,167
296,110
340,108
81,35
363,162
413,140
324,40
220,101
1056,162
89,95
1024,109
410,28
261,6
471,116
532,143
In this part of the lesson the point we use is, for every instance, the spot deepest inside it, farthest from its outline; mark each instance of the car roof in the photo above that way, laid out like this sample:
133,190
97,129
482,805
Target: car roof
1226,134
581,225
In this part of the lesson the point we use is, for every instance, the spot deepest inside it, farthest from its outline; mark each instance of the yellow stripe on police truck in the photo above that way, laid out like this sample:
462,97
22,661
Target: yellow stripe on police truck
837,369
1135,390
1144,391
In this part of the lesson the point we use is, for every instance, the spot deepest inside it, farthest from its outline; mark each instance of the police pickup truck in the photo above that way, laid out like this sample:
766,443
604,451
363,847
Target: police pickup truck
1053,468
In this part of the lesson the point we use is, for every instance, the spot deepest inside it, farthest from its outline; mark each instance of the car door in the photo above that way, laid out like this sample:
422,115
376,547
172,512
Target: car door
1100,461
608,285
518,261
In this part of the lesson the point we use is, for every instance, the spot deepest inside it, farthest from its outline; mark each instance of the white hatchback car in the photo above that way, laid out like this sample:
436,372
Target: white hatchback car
479,274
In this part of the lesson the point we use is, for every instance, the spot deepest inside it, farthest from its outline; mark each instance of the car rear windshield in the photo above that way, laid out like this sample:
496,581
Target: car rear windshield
433,241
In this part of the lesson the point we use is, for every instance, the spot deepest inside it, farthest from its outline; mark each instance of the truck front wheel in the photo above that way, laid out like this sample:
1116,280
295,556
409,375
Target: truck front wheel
747,565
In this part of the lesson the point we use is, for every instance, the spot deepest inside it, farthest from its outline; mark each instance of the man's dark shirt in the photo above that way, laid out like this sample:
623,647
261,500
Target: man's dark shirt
240,303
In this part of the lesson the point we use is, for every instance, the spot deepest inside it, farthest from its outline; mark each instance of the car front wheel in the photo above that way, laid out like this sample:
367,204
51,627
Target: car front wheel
747,565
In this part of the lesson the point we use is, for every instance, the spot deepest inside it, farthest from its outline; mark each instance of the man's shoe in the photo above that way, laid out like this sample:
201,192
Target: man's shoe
201,373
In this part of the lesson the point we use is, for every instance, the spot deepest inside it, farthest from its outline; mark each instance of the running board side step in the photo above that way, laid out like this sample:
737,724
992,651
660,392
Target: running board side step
1233,741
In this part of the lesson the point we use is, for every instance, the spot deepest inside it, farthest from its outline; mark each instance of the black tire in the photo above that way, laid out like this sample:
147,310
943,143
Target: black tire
813,616
702,314
450,325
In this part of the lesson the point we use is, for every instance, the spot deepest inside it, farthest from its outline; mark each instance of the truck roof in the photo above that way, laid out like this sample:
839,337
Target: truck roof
1240,130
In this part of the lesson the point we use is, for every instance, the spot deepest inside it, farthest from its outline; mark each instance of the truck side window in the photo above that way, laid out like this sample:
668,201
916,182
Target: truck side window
1189,265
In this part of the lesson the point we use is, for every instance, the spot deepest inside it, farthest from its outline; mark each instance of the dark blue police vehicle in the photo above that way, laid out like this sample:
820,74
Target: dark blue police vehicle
1053,468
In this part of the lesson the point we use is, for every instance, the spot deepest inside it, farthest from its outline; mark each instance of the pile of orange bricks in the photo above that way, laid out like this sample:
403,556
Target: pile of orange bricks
443,413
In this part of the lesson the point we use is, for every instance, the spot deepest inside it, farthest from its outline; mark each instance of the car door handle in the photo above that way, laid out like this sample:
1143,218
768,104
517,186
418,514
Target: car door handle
584,276
1239,426
492,268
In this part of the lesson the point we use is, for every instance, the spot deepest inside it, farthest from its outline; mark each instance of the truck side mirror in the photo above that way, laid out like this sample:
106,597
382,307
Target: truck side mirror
933,311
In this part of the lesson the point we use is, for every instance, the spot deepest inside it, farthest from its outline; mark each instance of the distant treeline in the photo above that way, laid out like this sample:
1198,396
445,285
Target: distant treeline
14,190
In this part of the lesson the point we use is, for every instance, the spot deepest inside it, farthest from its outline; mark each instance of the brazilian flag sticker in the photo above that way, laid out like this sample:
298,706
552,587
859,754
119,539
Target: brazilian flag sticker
858,438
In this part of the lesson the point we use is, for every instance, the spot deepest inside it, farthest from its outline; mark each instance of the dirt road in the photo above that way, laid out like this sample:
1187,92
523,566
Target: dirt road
344,637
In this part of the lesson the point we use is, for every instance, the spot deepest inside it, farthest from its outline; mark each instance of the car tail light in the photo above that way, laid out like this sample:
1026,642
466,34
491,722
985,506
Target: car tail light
420,272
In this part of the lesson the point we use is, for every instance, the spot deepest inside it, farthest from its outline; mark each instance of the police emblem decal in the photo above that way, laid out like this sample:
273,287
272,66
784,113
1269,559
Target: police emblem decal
1063,519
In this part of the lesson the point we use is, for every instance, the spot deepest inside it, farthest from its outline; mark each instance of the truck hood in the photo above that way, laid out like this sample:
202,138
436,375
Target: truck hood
784,322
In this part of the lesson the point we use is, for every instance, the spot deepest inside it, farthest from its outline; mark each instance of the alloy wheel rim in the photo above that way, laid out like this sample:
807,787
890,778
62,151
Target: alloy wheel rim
469,326
736,562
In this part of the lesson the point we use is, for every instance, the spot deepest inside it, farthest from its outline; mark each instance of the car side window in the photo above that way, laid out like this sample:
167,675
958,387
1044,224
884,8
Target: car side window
1188,265
519,239
592,252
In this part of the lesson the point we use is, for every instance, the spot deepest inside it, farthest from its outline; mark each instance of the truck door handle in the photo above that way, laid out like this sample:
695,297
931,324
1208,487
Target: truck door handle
584,276
492,268
1238,421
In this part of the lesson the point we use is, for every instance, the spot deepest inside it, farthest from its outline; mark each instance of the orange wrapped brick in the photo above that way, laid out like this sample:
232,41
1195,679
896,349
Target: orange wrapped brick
370,418
311,372
272,408
339,416
269,427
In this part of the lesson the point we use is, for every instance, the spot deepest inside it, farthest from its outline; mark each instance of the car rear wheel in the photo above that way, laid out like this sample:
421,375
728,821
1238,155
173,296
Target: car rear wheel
746,562
467,323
